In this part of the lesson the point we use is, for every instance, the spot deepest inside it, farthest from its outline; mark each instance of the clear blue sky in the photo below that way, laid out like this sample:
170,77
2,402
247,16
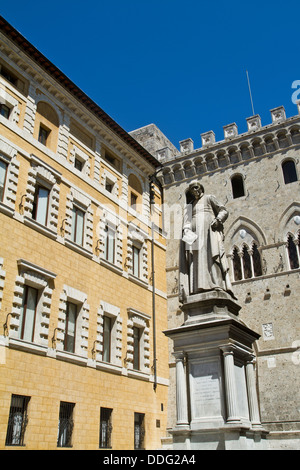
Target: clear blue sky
179,64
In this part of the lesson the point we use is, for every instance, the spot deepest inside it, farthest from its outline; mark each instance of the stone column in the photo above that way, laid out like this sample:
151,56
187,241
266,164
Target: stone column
181,392
230,386
252,393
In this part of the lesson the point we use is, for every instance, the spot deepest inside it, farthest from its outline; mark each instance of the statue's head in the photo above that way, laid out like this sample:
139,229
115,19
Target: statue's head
195,189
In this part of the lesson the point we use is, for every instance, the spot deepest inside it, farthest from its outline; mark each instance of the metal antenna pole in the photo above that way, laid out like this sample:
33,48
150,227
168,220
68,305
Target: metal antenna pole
250,92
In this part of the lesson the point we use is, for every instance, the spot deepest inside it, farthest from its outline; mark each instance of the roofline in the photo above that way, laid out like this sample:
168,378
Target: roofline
14,35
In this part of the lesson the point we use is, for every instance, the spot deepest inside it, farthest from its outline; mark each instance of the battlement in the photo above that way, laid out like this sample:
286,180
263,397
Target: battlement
278,116
258,142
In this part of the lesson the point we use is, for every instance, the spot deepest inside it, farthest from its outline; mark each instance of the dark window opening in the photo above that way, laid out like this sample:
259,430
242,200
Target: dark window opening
65,425
17,420
237,186
105,428
289,172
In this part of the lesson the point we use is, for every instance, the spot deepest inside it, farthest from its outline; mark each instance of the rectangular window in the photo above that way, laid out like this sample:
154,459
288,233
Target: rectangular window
78,164
66,424
17,420
77,225
133,200
43,135
28,313
4,110
109,248
105,427
136,261
136,347
139,431
107,325
70,328
109,186
41,204
3,171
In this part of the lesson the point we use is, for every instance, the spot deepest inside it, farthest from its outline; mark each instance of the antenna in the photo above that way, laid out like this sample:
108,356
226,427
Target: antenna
250,92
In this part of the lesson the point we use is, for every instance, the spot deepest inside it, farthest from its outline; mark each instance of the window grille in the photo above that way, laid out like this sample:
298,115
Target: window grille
65,424
17,420
139,431
105,427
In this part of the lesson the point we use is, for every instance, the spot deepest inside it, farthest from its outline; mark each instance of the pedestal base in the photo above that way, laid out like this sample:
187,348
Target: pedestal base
231,438
216,398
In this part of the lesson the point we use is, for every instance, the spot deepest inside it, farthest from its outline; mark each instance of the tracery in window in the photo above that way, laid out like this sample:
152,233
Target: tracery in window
246,263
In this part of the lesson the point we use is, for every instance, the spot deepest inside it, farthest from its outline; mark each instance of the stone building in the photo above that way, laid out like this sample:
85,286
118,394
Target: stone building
84,362
256,176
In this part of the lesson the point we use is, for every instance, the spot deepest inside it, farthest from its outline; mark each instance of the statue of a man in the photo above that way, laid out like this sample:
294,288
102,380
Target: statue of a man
203,263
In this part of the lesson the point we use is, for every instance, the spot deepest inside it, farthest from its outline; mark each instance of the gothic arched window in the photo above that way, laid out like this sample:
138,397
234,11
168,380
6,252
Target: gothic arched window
237,185
293,252
289,171
256,261
237,269
246,263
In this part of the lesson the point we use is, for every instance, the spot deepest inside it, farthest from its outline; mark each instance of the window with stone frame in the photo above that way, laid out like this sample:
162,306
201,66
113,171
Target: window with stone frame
41,203
78,224
138,341
3,174
108,346
46,126
73,322
9,107
110,243
9,173
80,160
137,259
31,304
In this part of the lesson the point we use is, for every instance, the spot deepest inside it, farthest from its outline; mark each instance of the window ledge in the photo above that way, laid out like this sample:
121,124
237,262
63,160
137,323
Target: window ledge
266,276
40,228
111,266
6,209
80,249
26,346
137,280
70,357
109,367
138,374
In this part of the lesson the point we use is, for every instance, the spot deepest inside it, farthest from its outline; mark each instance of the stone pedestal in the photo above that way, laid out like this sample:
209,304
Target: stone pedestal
217,403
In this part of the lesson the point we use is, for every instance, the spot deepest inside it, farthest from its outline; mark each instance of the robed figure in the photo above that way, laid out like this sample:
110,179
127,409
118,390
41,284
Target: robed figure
203,263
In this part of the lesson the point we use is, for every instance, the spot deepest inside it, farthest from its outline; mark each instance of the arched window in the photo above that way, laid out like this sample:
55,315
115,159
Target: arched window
135,193
246,263
256,261
237,269
289,171
293,252
237,185
46,125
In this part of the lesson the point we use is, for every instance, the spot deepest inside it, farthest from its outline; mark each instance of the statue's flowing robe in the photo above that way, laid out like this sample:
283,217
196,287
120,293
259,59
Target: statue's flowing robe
203,265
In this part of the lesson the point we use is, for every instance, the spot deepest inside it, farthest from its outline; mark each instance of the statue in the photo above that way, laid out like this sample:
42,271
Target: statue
203,263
